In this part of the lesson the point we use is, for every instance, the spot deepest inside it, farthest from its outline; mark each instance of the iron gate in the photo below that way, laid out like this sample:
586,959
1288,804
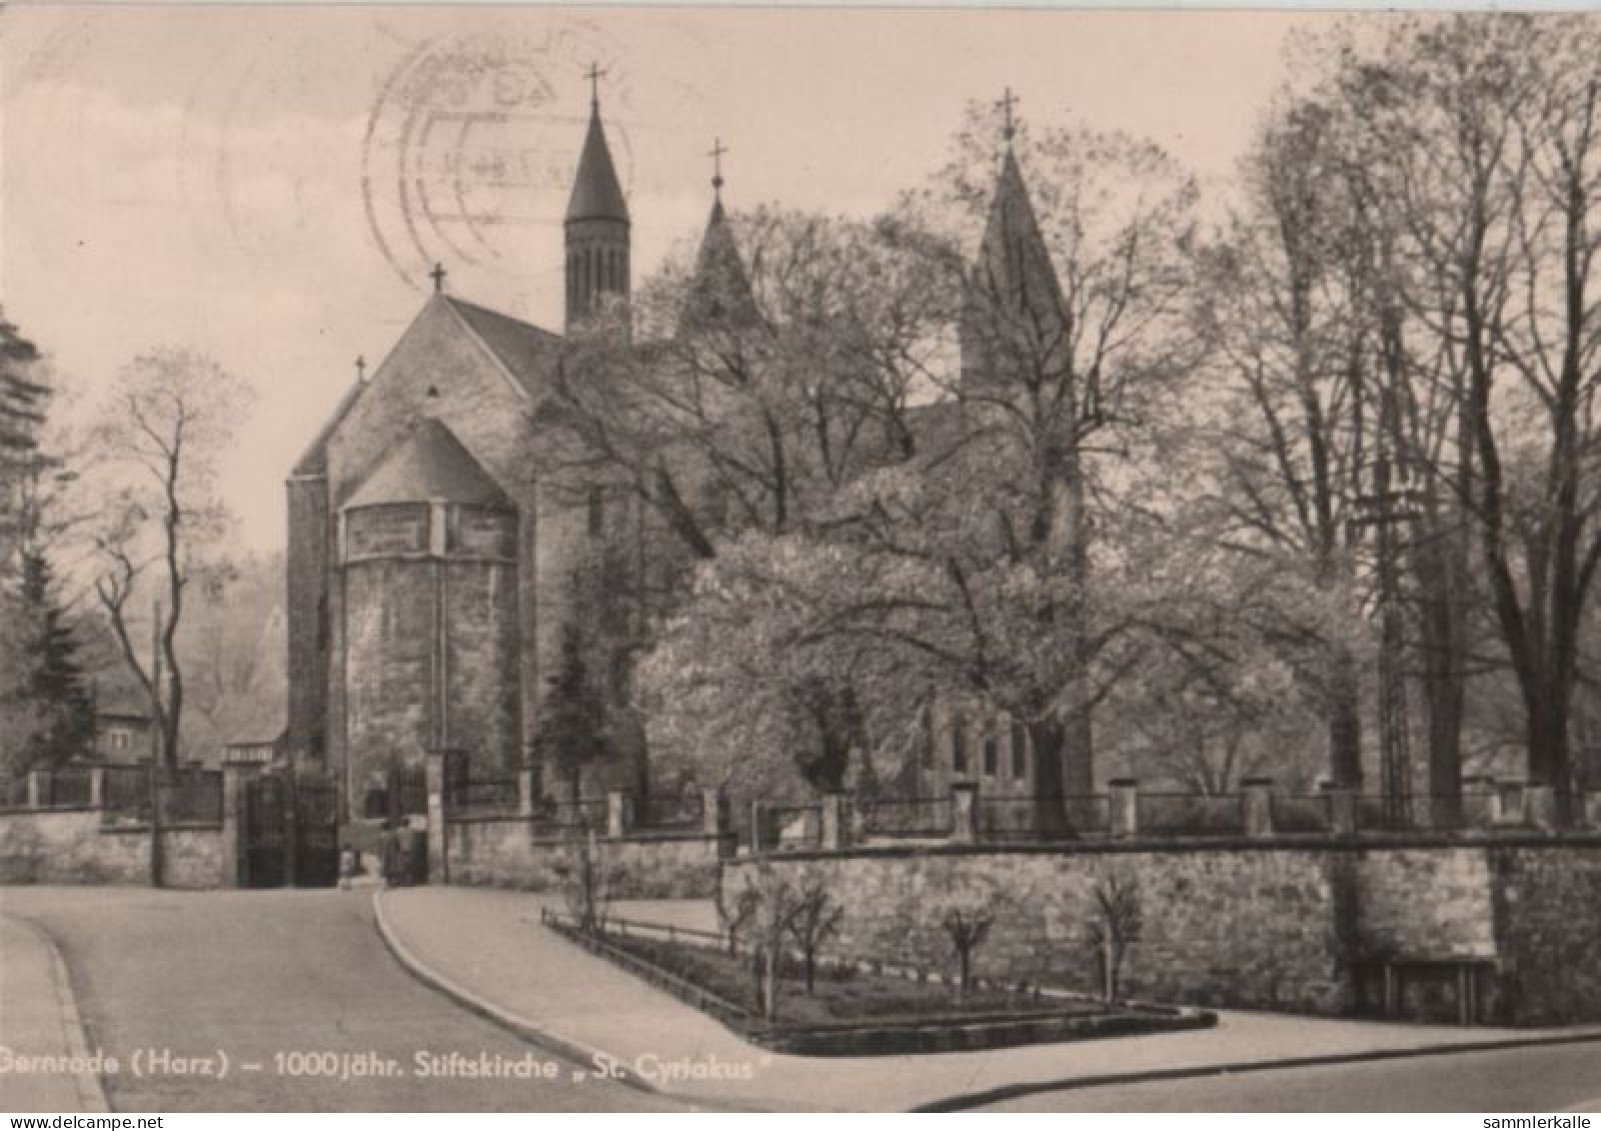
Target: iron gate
291,832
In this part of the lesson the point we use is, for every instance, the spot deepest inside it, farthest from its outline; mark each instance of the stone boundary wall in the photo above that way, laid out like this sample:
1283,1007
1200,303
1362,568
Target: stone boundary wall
510,852
73,846
1263,924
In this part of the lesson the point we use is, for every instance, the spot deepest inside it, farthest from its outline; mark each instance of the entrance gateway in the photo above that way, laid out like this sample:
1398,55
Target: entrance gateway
291,831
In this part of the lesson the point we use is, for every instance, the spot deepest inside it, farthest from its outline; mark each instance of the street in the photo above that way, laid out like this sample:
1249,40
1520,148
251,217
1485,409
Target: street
1532,1079
179,976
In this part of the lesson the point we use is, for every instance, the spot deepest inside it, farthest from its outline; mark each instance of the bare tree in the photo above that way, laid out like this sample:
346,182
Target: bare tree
966,919
161,431
816,920
1119,923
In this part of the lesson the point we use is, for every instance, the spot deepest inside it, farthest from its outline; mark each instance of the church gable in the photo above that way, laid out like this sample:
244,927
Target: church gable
445,366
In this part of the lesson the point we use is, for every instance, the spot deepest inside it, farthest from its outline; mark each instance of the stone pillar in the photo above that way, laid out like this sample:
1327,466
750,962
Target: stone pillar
619,813
1256,806
1481,803
759,832
525,793
836,826
1540,807
233,826
714,812
438,865
38,788
97,788
1341,800
1512,802
964,812
1123,801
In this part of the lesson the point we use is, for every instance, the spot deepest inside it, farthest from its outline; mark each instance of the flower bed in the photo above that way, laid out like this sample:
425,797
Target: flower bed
858,1013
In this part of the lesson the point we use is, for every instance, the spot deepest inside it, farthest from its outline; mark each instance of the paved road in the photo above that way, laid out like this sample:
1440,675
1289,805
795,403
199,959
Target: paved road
1539,1079
259,973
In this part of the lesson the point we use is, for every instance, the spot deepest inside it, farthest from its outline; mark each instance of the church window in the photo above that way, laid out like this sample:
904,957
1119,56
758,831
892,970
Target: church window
597,512
1019,751
925,738
991,752
958,743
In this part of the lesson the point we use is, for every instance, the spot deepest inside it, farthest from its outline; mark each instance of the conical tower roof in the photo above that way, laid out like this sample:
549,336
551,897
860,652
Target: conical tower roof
1014,259
597,193
720,293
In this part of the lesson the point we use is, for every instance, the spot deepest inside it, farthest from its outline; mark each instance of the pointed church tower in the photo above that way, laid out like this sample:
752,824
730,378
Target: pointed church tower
597,223
720,295
1016,314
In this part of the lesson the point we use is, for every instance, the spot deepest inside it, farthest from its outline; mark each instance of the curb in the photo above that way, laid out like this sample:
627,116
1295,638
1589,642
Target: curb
91,1089
1154,1075
575,1051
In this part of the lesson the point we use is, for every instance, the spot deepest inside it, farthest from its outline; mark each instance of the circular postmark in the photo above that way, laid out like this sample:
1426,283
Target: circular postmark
471,146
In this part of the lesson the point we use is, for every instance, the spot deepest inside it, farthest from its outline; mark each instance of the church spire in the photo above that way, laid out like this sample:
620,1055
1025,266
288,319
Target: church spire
1016,307
597,223
720,293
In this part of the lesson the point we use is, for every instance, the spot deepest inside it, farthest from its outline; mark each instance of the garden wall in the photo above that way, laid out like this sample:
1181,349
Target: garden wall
74,846
1275,924
513,852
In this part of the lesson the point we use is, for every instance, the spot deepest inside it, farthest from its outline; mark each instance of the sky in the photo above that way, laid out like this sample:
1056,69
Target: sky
271,184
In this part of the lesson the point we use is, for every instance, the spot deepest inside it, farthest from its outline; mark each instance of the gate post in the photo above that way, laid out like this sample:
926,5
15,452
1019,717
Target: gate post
525,793
291,829
438,865
233,827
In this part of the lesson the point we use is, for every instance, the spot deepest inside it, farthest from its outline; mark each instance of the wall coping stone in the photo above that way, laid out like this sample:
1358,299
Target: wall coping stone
1194,845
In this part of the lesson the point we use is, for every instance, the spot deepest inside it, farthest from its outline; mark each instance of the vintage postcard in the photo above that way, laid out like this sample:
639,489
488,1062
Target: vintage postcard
654,559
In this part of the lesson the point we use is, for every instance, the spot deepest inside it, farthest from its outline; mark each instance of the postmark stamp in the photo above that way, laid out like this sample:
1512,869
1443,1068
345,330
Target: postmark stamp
472,142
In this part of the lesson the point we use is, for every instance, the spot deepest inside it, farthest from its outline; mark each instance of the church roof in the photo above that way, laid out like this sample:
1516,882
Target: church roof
597,194
314,461
529,353
430,464
1013,254
720,290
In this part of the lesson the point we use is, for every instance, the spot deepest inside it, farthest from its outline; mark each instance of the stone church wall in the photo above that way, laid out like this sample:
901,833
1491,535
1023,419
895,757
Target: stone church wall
511,853
306,614
1548,919
1275,925
1245,928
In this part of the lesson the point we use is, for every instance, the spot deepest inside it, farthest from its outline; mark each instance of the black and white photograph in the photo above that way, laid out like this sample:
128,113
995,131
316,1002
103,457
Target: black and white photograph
666,559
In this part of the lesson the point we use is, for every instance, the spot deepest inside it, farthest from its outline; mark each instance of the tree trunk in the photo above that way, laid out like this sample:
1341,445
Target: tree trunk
1049,740
1345,721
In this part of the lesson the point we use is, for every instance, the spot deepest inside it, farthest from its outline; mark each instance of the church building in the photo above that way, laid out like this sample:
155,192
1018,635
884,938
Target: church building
431,572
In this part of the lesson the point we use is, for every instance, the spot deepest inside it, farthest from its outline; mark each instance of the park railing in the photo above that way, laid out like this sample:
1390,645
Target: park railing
902,817
671,813
482,796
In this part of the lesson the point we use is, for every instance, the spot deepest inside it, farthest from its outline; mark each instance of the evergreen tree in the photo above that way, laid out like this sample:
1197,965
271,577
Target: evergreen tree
22,405
572,730
61,700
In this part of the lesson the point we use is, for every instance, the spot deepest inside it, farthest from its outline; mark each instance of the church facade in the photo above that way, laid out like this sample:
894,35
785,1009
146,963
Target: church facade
431,573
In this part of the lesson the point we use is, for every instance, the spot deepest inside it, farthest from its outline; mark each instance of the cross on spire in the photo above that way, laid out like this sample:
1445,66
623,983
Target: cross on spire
438,276
716,154
361,368
594,75
1007,102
